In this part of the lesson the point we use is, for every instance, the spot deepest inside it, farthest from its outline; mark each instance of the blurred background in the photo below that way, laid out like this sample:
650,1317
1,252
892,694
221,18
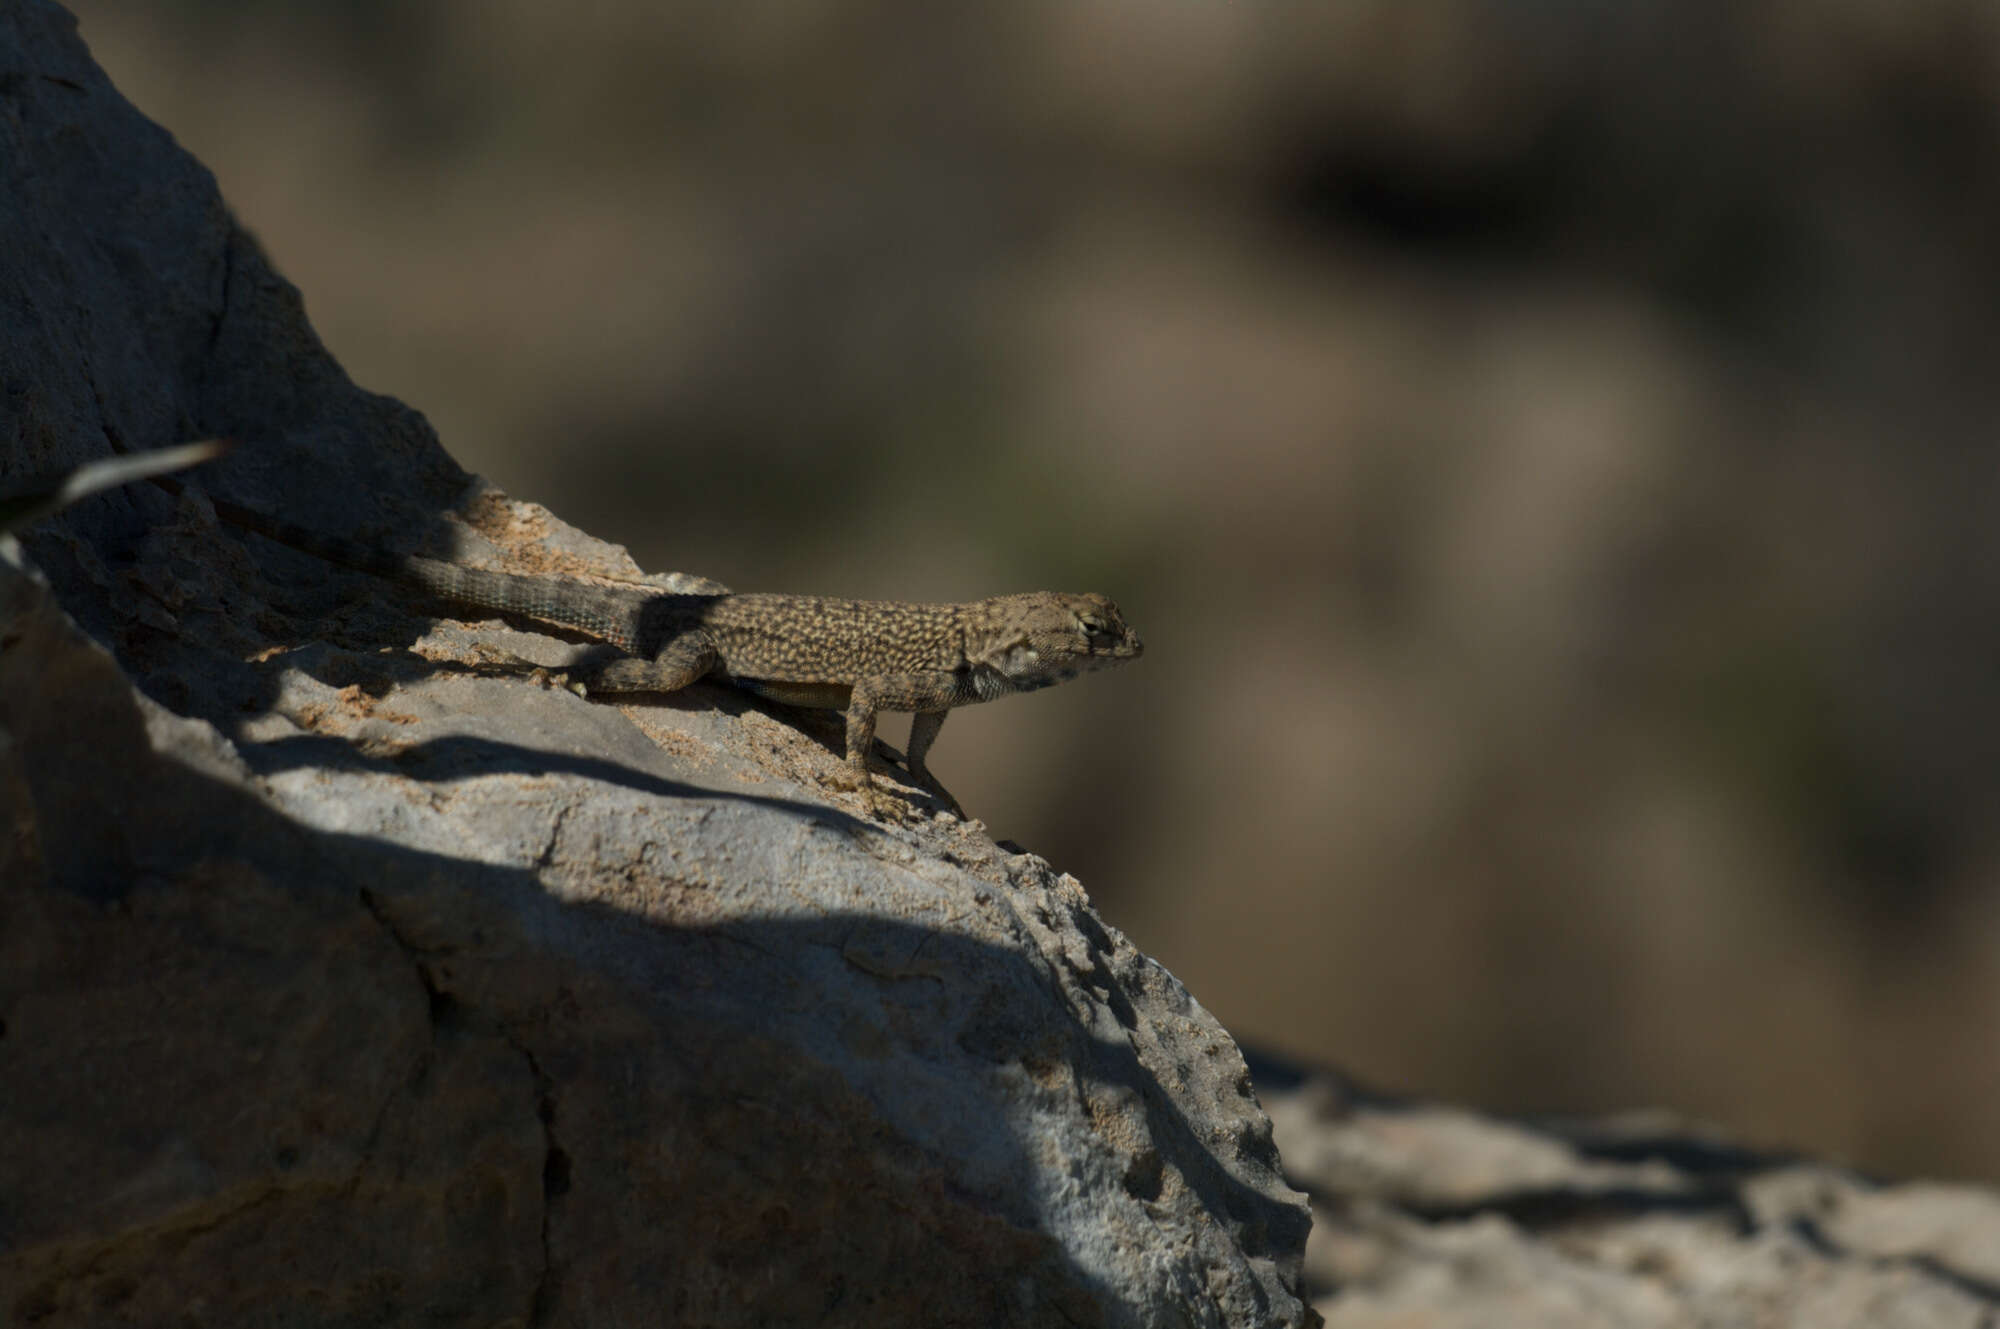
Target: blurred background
1546,447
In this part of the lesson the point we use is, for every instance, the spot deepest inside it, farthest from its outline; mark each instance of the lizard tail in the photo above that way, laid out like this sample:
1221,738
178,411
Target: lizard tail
609,614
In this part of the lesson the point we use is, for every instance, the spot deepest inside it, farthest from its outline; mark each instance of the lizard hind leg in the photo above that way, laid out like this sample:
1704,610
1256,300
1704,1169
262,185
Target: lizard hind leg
682,661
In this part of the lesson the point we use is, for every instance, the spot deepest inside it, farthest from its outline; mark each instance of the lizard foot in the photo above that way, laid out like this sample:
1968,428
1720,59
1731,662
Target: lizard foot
506,664
881,804
878,805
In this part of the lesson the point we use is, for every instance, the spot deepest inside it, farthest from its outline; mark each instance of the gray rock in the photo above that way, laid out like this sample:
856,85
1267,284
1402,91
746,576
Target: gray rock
346,979
1437,1216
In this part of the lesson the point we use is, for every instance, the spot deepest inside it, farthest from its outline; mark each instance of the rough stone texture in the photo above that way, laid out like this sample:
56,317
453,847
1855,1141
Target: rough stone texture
1437,1216
343,980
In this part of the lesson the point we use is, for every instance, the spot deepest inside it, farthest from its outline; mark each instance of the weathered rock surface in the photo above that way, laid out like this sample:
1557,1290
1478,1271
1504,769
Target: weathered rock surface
1437,1216
343,980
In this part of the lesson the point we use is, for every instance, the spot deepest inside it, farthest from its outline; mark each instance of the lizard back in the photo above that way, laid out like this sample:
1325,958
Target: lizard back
811,639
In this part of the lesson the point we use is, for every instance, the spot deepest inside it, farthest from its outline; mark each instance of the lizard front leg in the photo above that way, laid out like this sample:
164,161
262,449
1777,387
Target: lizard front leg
929,694
924,726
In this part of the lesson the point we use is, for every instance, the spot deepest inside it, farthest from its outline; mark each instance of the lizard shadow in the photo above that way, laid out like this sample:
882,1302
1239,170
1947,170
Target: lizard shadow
464,756
377,678
377,675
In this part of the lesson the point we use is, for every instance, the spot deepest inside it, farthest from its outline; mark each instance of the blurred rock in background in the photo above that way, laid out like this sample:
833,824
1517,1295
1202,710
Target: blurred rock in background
1548,449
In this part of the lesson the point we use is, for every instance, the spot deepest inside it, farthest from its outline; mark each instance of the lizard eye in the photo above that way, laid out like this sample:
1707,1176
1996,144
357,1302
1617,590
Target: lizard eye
1094,626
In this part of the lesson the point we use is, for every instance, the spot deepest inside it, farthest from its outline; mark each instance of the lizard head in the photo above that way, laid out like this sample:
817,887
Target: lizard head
1048,637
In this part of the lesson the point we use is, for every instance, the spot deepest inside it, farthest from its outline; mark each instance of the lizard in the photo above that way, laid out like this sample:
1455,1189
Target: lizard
858,656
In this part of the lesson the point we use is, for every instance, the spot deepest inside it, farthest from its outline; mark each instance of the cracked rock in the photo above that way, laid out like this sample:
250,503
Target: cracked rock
349,978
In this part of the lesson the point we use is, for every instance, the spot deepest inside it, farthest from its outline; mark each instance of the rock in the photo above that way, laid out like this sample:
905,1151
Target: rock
346,979
1434,1215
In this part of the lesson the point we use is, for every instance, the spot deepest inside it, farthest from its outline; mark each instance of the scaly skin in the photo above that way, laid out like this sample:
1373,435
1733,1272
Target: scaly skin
860,656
